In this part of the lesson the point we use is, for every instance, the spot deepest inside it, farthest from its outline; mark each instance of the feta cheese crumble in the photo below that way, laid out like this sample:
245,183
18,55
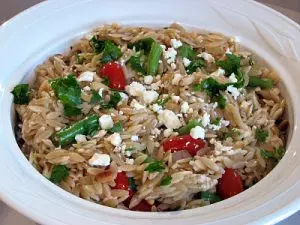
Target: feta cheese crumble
148,79
184,107
86,76
135,104
197,132
232,78
124,98
99,160
219,72
135,138
186,62
167,132
169,119
115,139
205,119
233,91
207,57
135,89
150,96
156,107
176,43
80,138
106,122
170,55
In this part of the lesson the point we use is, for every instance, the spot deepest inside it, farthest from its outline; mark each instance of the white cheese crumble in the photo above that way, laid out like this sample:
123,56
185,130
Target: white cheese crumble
197,132
186,62
170,55
173,66
150,96
129,161
115,139
135,138
176,79
167,132
205,119
228,51
169,119
100,92
124,98
135,104
207,57
156,107
175,98
176,43
148,79
99,160
135,89
184,107
86,76
106,122
219,72
80,138
100,134
232,78
233,91
86,88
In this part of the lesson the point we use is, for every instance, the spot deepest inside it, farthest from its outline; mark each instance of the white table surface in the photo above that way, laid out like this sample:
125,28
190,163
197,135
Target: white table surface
9,8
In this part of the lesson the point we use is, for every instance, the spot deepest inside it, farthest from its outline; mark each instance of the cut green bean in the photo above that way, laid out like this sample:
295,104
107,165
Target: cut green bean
264,83
85,127
187,128
153,59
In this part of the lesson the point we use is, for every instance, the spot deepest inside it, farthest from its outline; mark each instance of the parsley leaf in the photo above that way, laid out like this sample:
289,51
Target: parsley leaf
211,86
240,79
97,45
162,102
216,121
117,128
221,100
135,63
166,181
261,135
96,98
105,81
68,91
197,87
132,184
277,153
187,128
186,51
115,98
156,166
59,173
211,197
144,44
231,64
111,52
196,63
21,94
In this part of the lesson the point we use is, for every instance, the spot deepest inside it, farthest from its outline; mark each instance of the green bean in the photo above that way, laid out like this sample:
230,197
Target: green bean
187,128
153,58
264,83
85,127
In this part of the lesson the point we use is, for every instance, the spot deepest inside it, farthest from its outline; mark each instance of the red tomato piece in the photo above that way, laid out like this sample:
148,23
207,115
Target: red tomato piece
143,206
114,72
230,184
185,142
123,183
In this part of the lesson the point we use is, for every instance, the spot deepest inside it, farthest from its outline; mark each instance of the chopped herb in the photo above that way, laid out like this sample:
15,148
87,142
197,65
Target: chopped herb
166,181
135,63
187,128
197,87
211,86
111,52
186,51
240,79
96,98
221,100
105,81
211,197
216,121
264,83
261,135
117,128
162,102
97,45
132,184
144,44
21,94
68,91
86,126
156,166
130,149
59,173
277,153
196,63
149,159
231,64
79,59
115,98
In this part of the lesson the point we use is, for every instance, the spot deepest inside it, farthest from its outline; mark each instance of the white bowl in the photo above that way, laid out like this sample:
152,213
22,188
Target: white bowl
50,27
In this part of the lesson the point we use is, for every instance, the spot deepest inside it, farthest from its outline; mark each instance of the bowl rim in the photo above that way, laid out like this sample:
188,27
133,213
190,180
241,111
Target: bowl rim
91,205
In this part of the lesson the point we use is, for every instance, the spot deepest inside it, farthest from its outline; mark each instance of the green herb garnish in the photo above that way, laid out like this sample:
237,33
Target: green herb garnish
216,121
135,64
261,135
110,52
117,128
196,63
231,64
144,44
21,94
156,166
149,159
166,181
211,197
97,45
264,83
59,173
277,153
162,102
115,98
132,184
105,81
187,128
